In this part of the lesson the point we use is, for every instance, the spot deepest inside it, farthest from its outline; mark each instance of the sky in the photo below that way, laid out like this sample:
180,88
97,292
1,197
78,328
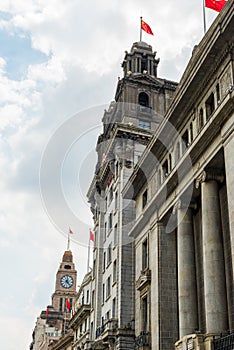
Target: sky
59,66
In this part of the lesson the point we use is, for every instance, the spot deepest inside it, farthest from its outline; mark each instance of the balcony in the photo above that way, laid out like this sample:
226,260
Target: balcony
144,279
143,341
82,312
224,343
108,329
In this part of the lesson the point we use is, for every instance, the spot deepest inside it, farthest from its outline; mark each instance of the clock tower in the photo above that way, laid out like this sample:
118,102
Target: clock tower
65,285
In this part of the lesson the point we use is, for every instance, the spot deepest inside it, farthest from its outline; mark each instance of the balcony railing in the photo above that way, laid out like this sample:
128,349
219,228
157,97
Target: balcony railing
224,343
143,340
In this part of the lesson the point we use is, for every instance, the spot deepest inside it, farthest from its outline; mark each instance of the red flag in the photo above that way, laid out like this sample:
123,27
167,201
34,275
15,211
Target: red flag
47,312
68,305
91,236
146,27
216,5
70,231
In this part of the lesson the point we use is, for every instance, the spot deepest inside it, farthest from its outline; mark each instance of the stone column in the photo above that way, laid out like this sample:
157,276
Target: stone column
187,289
213,258
228,136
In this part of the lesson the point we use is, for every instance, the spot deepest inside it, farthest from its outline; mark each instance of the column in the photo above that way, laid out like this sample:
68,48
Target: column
187,289
229,168
213,258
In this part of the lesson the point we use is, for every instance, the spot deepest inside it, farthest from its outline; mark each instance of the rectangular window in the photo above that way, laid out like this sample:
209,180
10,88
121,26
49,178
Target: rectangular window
87,297
109,253
93,298
165,169
114,271
210,106
143,124
105,231
104,261
108,287
116,200
145,254
185,141
144,314
114,308
61,304
103,293
144,199
111,194
110,221
115,234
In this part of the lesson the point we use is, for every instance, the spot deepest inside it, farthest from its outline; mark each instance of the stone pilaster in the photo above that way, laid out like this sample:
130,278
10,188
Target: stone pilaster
187,293
213,259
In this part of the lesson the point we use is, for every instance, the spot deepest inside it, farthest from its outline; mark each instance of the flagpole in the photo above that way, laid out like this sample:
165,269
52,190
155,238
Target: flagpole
204,16
141,29
68,241
88,253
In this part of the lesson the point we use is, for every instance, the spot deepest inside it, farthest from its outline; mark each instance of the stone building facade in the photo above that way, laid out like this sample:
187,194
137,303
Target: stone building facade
183,231
140,102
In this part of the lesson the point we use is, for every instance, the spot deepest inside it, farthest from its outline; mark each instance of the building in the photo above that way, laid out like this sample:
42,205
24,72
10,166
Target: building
53,322
182,188
140,102
80,321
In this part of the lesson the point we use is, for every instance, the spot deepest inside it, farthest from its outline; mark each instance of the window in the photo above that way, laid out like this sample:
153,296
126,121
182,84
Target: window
87,297
144,124
108,287
116,200
144,314
210,106
103,293
111,194
185,139
115,234
144,199
108,315
165,169
145,254
109,251
93,298
191,132
110,221
143,99
114,271
114,308
67,267
143,66
218,94
104,261
105,231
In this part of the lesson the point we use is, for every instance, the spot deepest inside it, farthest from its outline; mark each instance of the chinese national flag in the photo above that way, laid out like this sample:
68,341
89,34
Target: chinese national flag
146,27
68,305
47,312
91,236
216,5
70,231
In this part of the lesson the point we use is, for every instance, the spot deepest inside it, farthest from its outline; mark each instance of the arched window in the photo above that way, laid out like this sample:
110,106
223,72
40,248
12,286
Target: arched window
143,99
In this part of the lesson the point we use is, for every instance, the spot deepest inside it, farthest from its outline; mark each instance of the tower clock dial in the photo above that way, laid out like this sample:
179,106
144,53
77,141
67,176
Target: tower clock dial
66,281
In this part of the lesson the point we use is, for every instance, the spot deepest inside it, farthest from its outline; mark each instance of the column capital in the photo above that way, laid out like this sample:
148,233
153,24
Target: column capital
209,175
184,204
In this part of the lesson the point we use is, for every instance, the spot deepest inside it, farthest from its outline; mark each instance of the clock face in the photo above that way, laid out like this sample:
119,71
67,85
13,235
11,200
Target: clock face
66,281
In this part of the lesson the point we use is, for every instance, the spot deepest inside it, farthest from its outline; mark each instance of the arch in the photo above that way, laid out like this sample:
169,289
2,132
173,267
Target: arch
143,99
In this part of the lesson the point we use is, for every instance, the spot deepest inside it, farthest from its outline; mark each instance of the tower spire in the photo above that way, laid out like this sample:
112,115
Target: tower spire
68,238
